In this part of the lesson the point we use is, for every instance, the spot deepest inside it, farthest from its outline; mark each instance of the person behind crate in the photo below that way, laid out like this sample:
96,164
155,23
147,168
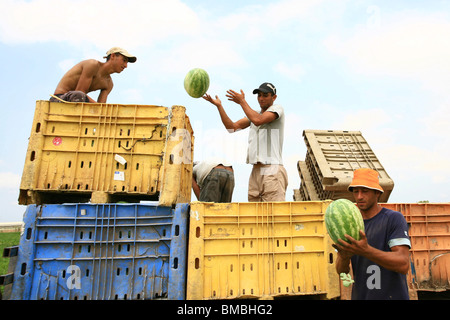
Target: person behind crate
380,259
213,180
268,180
92,75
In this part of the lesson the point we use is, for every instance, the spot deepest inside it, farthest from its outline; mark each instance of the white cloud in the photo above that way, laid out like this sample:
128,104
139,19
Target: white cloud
133,96
256,24
9,180
203,53
290,10
400,152
437,121
105,23
271,15
437,132
293,72
409,161
66,64
408,45
369,119
177,35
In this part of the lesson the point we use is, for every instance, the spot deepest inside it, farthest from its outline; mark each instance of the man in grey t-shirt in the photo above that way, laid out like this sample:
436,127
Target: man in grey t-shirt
268,180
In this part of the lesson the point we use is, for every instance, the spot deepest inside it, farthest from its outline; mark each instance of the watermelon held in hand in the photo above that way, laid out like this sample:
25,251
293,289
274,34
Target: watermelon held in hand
343,217
196,82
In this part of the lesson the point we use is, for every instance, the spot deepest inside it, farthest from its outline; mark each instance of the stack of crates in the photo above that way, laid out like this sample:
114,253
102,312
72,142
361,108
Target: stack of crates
81,152
331,158
87,234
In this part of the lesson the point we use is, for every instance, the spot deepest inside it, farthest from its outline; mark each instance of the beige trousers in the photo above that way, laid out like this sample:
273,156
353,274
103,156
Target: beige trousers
267,183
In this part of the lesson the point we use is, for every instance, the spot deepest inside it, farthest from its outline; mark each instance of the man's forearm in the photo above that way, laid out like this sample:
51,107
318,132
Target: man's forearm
397,261
342,264
227,122
195,188
251,114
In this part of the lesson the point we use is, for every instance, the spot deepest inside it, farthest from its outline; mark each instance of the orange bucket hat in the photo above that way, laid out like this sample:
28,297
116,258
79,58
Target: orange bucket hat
367,178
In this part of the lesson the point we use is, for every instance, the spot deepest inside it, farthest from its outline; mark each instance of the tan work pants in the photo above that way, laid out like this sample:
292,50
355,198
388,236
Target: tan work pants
267,183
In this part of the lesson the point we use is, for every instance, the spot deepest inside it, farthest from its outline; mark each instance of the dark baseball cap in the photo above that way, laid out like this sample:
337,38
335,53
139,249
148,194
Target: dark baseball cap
266,87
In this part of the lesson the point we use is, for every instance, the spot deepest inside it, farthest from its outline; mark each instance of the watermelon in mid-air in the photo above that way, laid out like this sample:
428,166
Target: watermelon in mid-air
196,82
343,217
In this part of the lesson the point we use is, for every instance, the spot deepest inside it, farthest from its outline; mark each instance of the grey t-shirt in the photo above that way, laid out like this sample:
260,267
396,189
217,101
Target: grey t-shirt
265,142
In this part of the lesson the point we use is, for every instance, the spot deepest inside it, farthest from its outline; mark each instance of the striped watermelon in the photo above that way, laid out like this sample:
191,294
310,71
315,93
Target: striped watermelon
343,217
196,82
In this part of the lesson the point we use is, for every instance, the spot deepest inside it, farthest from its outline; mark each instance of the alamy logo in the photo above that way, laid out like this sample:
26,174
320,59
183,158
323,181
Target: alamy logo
74,280
374,280
181,152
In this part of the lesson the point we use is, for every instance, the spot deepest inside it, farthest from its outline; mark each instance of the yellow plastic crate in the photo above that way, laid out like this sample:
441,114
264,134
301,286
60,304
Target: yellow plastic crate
108,152
260,250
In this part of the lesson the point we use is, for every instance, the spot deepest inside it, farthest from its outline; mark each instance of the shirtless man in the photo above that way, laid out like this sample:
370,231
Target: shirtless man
91,75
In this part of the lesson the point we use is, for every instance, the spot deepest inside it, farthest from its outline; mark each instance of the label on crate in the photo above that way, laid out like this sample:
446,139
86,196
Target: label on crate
120,159
119,175
57,141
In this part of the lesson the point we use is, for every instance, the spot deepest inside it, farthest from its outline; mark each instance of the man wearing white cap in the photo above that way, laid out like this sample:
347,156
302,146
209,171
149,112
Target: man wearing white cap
92,75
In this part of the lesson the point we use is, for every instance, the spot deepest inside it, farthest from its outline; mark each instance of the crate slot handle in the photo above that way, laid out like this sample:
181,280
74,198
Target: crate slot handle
141,140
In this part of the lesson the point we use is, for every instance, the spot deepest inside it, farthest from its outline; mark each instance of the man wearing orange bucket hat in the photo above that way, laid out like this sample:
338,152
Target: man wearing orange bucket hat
380,259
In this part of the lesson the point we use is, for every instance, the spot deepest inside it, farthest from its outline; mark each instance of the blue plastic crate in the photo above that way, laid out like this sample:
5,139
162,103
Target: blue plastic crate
102,252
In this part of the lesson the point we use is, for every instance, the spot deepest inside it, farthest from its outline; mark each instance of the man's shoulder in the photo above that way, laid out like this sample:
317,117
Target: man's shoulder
278,109
391,212
392,216
90,63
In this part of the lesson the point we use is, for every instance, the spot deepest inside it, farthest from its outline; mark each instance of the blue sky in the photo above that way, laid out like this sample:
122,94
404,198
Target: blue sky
379,67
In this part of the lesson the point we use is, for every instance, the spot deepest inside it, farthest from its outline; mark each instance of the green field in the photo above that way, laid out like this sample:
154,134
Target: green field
7,239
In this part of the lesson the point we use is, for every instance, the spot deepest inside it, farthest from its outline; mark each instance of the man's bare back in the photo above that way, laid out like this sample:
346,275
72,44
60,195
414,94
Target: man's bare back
92,75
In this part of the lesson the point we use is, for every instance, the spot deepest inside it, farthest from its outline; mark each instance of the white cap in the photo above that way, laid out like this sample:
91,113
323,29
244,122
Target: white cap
123,52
